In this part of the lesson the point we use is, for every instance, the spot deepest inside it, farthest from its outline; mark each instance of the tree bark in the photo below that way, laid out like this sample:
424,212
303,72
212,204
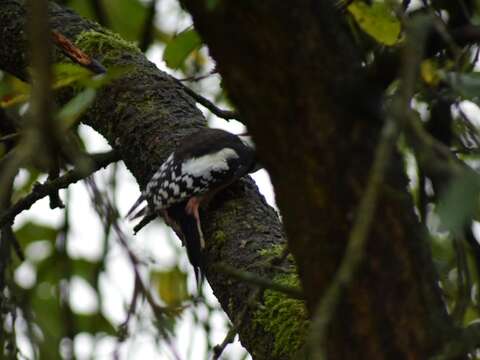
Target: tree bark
295,75
144,115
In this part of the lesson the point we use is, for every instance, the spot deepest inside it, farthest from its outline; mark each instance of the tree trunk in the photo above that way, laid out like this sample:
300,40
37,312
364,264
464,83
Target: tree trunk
294,73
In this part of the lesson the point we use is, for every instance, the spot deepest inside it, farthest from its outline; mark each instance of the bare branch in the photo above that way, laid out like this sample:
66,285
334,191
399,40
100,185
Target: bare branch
77,55
49,187
224,114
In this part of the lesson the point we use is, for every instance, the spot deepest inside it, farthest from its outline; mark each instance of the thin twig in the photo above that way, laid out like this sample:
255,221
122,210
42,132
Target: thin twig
254,279
41,190
55,201
254,298
218,349
463,280
77,55
107,212
9,137
224,114
201,77
131,310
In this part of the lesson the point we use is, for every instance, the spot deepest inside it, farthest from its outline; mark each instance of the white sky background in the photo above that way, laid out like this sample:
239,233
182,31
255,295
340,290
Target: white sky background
155,243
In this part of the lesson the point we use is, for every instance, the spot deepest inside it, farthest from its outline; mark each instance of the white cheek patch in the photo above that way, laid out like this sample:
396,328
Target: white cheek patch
204,165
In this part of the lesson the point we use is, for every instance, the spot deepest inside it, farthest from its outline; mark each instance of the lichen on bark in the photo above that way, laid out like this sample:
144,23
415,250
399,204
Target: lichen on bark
284,317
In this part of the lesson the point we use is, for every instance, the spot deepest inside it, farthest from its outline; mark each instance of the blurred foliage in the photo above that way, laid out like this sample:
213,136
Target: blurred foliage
180,47
171,286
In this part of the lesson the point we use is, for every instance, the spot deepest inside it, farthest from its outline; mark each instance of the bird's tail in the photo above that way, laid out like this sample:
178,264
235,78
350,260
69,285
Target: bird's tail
192,239
130,215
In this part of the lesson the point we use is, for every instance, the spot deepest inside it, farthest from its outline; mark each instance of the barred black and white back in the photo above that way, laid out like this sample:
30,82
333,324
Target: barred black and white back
205,163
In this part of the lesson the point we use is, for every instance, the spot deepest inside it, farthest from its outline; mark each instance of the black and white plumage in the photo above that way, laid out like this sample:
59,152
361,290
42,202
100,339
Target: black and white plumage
205,163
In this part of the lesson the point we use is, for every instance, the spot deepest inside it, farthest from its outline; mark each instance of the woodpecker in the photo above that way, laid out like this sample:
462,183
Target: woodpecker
205,163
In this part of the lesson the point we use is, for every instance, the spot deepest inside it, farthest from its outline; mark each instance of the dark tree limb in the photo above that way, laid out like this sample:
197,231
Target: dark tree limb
143,116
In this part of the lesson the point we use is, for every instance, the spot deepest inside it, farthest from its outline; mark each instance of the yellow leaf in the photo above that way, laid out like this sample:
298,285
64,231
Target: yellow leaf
377,21
429,72
171,286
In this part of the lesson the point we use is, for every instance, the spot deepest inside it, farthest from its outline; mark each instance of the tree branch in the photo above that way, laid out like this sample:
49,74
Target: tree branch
224,114
52,186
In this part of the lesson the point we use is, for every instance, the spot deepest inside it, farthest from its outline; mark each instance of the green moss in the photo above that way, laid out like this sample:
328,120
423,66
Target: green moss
110,45
275,251
285,318
272,251
219,237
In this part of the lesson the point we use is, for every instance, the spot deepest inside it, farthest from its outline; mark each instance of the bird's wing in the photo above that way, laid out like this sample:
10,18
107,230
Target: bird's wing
176,181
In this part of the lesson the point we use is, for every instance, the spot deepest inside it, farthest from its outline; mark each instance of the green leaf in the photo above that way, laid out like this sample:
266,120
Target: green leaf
83,8
180,48
377,21
4,88
33,231
126,17
443,255
70,113
46,313
459,203
68,73
96,323
466,85
86,269
171,285
472,314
